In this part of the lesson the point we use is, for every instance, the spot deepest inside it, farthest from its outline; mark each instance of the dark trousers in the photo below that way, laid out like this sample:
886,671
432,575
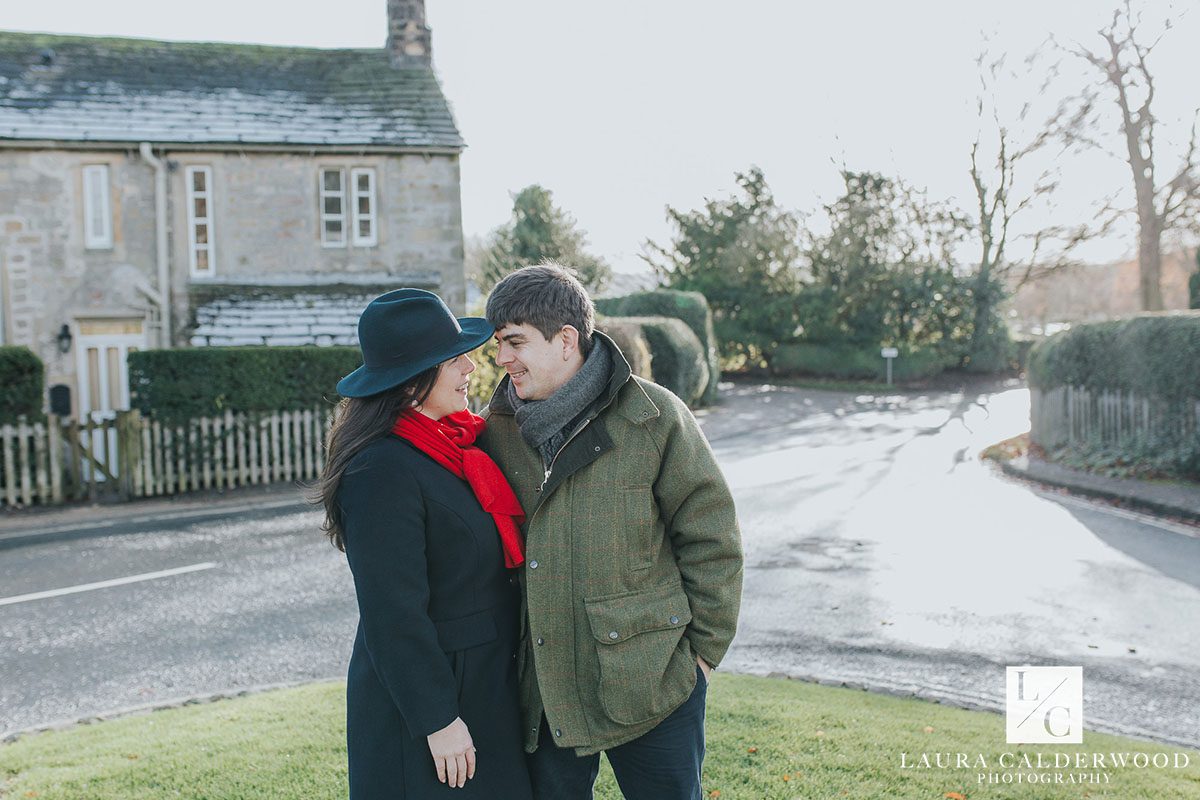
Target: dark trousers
663,764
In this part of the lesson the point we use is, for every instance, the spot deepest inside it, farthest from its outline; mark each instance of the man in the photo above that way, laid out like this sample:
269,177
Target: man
633,570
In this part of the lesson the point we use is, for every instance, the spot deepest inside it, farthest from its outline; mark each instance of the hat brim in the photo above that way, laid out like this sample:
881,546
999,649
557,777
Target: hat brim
364,382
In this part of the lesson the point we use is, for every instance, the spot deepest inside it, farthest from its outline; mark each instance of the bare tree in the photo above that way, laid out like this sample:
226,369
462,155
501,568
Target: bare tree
1008,186
1161,205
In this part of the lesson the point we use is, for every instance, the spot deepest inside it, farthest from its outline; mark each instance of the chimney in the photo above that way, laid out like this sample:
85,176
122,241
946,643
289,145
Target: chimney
408,41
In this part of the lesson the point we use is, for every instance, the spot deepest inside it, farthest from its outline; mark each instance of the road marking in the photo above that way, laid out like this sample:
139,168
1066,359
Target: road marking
87,587
299,505
1133,516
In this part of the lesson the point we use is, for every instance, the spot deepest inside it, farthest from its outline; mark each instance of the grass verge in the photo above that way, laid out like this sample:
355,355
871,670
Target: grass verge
822,384
768,739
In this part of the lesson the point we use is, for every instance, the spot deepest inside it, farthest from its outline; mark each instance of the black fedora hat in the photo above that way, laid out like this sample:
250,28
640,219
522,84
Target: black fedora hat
402,334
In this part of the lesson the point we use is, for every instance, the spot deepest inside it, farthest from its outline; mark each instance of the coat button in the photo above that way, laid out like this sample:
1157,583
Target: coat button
558,731
541,641
674,620
533,564
597,449
614,635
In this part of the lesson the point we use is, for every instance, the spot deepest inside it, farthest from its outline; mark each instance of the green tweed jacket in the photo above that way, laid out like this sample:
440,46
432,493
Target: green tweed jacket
633,563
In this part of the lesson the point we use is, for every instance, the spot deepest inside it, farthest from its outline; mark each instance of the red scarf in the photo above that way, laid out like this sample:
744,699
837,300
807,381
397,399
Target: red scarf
450,442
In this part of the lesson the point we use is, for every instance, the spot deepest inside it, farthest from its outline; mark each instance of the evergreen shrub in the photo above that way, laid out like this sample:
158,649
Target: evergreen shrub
691,307
23,378
176,385
631,339
852,362
677,357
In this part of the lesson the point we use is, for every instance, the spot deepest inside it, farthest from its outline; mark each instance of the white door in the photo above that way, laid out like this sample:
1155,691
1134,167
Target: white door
102,348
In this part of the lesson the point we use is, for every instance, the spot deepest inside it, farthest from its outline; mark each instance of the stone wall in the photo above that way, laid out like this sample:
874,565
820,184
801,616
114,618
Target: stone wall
267,220
47,277
266,226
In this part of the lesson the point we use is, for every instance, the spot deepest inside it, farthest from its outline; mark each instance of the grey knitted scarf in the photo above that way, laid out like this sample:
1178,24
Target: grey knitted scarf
543,423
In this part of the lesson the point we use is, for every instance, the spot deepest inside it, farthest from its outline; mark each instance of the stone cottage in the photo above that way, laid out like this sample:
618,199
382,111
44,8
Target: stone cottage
165,194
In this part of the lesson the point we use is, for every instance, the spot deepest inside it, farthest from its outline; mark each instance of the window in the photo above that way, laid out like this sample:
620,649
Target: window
333,208
97,212
201,254
362,182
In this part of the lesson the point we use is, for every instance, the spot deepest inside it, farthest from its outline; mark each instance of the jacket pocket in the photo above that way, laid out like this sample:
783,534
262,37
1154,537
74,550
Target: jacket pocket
463,632
642,653
639,520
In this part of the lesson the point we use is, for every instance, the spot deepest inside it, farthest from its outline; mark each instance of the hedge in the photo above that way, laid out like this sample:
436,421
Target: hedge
677,357
849,362
23,377
1152,355
1155,357
630,337
691,307
174,385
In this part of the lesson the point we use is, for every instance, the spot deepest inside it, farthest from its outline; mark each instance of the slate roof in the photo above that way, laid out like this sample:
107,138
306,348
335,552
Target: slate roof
98,89
290,311
296,320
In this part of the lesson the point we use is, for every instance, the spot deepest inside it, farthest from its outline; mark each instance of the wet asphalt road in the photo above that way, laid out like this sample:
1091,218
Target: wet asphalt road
879,552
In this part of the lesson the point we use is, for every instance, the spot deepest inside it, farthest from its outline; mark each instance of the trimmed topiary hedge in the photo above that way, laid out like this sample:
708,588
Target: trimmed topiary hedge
23,378
174,385
847,362
630,337
677,357
691,307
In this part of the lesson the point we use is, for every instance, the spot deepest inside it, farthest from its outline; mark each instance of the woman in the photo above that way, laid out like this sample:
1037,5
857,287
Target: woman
430,530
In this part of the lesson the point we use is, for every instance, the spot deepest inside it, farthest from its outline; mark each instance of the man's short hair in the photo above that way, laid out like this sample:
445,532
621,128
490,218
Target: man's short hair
546,296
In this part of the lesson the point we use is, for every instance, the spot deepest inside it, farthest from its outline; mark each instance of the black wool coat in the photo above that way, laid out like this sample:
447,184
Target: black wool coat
437,633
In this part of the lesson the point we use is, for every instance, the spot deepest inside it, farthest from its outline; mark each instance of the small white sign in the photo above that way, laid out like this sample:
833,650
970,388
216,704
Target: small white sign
1045,705
889,352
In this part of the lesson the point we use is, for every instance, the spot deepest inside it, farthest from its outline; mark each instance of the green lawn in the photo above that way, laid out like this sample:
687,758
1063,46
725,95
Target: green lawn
767,739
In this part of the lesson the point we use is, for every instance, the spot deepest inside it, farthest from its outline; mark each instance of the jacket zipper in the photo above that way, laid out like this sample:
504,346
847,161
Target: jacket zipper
549,470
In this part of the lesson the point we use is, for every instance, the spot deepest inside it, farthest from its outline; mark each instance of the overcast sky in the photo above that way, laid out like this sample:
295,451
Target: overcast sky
623,107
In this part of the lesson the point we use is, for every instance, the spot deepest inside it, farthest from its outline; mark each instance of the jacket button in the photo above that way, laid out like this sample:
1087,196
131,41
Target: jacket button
533,564
674,620
597,449
541,641
558,731
614,635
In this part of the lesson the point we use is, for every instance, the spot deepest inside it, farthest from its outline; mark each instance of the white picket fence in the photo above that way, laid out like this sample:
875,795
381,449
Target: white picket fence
223,452
1068,414
134,456
32,463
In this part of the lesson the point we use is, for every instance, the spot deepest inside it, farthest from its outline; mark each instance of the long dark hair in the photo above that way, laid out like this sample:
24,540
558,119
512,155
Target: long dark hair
358,421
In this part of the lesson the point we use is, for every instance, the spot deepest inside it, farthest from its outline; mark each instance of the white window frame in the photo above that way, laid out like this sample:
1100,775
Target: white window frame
322,196
96,188
194,247
371,216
